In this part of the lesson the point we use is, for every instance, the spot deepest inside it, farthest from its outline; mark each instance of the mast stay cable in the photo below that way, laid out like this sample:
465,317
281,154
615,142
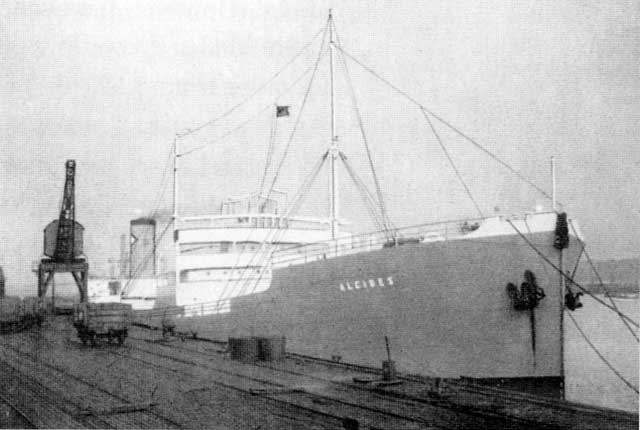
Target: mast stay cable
295,127
602,357
455,168
567,277
354,101
254,116
606,290
324,31
297,122
270,150
613,308
274,234
443,121
314,69
229,289
250,96
368,199
163,186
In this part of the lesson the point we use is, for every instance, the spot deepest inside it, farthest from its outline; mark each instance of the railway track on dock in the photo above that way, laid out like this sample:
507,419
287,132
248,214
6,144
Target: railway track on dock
62,399
418,409
323,406
49,403
511,408
602,416
18,409
200,386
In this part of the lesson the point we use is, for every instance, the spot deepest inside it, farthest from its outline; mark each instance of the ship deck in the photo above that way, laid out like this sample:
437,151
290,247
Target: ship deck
50,380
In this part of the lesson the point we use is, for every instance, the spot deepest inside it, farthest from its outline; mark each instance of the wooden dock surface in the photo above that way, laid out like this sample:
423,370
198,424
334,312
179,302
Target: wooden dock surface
52,381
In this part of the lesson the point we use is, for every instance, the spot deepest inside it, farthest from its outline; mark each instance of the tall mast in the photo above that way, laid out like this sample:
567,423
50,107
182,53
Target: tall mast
553,183
176,154
334,139
563,286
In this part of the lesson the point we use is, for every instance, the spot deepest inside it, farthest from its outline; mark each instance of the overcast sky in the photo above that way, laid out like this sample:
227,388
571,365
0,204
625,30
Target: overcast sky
109,84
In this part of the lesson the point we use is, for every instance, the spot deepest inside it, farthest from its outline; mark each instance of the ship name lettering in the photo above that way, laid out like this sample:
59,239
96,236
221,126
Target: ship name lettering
366,283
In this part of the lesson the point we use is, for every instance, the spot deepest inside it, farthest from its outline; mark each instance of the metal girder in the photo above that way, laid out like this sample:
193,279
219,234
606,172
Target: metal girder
79,269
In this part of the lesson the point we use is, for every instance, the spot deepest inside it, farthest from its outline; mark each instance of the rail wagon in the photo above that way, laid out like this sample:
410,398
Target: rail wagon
109,321
17,314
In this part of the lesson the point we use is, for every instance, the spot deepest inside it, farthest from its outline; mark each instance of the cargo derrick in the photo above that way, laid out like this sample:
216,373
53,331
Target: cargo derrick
63,242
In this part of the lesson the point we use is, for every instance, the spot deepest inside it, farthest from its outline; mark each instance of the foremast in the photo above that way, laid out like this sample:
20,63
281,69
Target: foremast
333,149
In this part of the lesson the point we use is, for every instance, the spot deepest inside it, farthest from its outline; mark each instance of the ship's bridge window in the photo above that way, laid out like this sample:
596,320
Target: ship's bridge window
198,248
206,248
247,246
284,245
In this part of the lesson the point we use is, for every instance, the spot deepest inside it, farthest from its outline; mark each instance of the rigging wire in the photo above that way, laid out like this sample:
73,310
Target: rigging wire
302,191
276,234
385,217
260,88
304,101
214,304
145,260
606,290
314,69
573,282
614,308
575,268
368,199
449,125
264,254
163,185
490,154
257,114
453,165
293,131
270,150
602,357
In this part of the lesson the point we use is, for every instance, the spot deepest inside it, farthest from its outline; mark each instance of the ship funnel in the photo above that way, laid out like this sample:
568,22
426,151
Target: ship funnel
142,248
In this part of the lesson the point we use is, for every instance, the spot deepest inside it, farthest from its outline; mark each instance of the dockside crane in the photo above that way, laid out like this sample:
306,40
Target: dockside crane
63,242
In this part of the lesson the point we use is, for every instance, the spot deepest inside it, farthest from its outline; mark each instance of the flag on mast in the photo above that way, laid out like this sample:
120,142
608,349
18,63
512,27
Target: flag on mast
282,111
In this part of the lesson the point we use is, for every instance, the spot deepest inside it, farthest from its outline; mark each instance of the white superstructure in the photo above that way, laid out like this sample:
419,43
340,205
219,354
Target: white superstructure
229,255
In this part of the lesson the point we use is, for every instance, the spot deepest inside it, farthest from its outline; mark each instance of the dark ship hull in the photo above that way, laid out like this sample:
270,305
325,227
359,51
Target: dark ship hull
444,306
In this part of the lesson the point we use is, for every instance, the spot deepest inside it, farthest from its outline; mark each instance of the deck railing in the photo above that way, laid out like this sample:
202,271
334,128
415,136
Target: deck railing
354,244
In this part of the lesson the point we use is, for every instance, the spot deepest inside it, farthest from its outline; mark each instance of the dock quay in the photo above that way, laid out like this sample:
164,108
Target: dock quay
51,380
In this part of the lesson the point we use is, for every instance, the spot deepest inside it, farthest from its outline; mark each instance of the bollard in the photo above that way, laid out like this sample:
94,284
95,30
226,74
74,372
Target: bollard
389,370
350,424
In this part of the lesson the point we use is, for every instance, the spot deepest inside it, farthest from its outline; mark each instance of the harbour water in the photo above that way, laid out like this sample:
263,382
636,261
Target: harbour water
588,379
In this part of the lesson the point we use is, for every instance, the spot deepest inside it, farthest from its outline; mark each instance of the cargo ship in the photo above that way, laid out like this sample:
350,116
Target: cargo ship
479,298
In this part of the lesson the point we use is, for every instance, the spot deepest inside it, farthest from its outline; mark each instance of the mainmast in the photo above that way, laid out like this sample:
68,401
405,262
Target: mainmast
334,139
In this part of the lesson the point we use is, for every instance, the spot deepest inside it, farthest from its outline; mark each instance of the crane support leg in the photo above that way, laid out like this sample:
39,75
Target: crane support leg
78,269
